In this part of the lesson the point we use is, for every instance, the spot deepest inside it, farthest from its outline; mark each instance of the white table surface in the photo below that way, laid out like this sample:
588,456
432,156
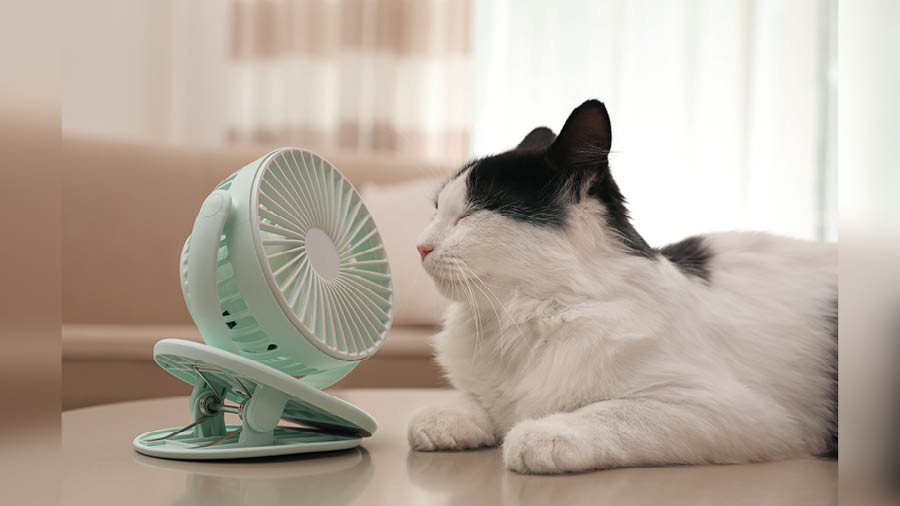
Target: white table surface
100,467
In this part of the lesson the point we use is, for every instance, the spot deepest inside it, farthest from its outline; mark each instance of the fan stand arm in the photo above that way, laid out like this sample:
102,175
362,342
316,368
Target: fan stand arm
261,415
202,265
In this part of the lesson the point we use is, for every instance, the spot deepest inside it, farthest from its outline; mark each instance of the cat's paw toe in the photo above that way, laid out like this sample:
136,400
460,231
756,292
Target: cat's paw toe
435,428
545,447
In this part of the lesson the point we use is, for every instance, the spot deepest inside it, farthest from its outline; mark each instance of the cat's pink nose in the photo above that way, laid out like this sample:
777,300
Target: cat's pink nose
424,250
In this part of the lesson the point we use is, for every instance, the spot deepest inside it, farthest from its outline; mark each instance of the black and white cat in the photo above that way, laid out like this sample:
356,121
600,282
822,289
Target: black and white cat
578,346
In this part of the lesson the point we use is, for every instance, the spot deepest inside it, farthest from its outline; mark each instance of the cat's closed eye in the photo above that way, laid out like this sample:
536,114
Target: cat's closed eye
463,216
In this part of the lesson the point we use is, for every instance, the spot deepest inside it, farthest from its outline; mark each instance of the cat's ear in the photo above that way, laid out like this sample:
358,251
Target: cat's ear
585,139
538,139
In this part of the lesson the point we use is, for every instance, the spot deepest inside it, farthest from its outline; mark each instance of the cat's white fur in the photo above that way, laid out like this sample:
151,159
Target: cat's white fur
575,355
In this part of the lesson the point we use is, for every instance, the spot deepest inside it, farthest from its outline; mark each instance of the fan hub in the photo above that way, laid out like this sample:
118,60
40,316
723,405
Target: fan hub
323,256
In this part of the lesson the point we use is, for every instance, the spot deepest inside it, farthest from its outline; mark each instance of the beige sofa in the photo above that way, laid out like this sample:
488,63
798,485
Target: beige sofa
127,209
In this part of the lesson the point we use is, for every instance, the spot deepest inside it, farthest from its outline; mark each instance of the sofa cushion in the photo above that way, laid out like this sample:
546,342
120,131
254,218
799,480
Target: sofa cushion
402,211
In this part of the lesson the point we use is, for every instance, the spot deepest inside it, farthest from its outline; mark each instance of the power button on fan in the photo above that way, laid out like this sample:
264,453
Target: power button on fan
213,204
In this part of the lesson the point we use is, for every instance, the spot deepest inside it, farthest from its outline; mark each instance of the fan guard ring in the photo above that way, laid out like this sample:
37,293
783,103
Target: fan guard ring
321,254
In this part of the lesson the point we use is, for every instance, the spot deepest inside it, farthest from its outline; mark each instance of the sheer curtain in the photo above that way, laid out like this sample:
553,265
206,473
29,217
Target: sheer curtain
722,110
370,76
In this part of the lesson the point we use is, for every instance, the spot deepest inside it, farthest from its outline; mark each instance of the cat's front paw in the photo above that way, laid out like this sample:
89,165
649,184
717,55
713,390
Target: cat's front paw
441,428
546,447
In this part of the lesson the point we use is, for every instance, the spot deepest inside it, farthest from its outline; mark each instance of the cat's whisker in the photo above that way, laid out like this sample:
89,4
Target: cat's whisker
472,277
475,281
441,280
502,345
473,303
473,310
442,275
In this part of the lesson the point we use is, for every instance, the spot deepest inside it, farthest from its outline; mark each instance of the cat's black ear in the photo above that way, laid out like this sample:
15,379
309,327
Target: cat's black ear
585,139
538,139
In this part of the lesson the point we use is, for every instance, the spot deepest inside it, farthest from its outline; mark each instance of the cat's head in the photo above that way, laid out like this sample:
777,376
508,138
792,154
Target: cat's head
526,217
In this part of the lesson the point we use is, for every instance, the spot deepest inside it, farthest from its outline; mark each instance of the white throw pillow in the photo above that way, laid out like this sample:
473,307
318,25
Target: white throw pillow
401,211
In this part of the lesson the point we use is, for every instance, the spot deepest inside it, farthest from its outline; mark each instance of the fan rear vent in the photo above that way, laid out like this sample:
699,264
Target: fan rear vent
247,334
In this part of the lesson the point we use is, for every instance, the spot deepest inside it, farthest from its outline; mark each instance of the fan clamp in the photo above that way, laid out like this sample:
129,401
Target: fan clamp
261,397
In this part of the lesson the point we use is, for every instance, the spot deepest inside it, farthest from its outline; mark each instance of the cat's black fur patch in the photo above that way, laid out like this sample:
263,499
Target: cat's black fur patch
607,191
538,180
538,139
519,184
691,256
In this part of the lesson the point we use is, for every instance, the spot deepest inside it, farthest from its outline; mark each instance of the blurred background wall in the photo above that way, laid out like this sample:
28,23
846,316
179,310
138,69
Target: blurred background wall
30,211
723,118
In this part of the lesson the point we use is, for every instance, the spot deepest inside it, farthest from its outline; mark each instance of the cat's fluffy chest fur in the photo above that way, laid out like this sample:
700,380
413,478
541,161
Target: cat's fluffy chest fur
519,361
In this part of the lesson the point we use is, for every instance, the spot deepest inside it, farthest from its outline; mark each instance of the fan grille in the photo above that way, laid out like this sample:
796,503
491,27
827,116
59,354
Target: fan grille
346,307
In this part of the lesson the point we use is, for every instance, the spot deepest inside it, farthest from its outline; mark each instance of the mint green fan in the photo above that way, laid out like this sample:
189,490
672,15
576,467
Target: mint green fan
287,279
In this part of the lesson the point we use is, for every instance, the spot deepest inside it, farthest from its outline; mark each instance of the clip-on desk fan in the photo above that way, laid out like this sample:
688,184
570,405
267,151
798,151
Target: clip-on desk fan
287,279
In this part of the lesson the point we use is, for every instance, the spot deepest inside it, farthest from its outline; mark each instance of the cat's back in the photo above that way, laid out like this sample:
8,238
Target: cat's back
769,278
732,254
